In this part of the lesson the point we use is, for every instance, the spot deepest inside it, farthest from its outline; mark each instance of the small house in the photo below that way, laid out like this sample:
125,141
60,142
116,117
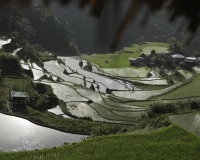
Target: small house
19,98
190,61
177,58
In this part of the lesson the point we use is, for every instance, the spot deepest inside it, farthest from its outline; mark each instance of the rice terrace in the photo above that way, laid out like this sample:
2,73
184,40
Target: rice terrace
141,101
133,95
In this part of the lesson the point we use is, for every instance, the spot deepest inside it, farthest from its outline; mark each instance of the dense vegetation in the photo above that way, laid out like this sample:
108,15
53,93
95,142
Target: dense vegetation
8,62
36,24
160,108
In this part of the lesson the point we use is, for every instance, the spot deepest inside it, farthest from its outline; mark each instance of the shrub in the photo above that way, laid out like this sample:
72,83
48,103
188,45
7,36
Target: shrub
159,107
194,103
88,68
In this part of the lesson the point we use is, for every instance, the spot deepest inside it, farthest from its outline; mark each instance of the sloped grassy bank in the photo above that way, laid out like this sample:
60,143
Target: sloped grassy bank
172,142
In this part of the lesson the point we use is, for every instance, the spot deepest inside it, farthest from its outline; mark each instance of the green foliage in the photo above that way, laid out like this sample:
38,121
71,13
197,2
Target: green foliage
37,24
176,48
52,32
88,67
42,97
13,22
10,65
31,52
159,107
172,40
153,53
42,102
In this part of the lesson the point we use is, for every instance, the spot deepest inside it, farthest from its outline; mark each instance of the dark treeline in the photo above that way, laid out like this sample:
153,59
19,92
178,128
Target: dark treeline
93,35
96,35
37,24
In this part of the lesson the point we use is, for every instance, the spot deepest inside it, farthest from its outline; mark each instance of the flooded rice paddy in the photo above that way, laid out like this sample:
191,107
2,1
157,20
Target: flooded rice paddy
19,134
189,121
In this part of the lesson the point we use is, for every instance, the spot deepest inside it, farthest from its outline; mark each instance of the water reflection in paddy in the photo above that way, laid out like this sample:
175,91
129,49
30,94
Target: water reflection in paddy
189,121
73,63
19,134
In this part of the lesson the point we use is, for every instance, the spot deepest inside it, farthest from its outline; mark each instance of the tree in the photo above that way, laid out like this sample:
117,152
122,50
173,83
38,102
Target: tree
153,53
140,40
176,48
185,8
172,40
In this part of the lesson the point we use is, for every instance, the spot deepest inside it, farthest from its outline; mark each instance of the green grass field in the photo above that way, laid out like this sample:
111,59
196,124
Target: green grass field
171,143
8,84
136,72
117,60
191,89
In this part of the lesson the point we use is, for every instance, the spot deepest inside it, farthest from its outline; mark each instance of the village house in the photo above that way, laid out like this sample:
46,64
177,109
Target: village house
177,58
19,98
190,61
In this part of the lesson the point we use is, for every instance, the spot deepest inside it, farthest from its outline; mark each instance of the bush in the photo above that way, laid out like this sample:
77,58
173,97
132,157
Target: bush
10,64
88,68
194,103
159,107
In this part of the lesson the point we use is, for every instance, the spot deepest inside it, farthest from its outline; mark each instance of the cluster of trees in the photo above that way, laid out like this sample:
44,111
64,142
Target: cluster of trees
176,47
52,32
37,24
42,97
10,65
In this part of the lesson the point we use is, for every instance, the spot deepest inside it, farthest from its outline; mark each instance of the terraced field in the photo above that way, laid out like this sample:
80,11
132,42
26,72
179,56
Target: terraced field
189,90
84,93
121,106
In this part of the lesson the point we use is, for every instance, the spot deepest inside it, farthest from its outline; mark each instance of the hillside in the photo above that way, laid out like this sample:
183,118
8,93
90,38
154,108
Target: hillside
37,24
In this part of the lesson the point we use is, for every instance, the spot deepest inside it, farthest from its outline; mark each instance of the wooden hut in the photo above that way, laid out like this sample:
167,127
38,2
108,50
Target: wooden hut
190,61
19,98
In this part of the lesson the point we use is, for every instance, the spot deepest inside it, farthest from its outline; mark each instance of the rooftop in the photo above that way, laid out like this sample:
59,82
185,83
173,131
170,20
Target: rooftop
19,94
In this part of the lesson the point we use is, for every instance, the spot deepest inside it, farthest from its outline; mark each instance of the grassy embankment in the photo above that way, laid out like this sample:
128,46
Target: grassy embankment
120,58
172,142
117,64
189,90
